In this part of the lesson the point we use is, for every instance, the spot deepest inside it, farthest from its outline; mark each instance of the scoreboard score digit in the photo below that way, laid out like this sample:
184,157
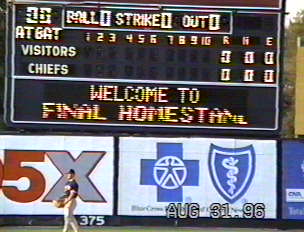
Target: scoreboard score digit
145,67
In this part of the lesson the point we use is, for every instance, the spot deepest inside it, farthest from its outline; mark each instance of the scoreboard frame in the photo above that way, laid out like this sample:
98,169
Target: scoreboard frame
250,4
129,127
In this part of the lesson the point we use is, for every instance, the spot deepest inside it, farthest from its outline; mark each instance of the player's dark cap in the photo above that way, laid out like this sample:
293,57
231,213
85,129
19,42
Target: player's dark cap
71,171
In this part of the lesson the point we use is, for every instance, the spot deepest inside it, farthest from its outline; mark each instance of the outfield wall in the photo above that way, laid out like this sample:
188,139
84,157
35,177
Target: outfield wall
211,171
132,180
293,180
34,167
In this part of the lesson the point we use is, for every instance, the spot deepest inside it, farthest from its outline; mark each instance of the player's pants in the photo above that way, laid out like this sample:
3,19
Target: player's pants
69,219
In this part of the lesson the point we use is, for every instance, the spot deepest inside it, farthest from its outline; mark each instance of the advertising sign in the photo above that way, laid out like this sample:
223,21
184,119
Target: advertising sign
293,179
32,173
221,178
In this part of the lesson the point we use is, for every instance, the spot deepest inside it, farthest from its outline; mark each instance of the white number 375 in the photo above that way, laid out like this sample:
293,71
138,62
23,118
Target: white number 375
92,220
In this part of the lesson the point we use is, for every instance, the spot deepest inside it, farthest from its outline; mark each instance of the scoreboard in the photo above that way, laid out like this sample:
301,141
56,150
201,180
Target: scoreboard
155,65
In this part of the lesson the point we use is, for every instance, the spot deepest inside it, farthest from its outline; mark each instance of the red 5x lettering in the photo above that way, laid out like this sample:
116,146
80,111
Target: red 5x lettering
13,170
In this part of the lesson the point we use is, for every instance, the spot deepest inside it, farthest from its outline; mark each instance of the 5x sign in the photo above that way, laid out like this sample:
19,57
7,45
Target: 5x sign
13,167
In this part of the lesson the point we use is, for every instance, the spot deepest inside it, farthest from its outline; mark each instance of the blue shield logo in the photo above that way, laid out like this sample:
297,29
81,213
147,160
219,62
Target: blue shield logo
231,170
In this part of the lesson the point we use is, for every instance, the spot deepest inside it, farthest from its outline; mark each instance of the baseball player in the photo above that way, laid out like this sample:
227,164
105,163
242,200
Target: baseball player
70,194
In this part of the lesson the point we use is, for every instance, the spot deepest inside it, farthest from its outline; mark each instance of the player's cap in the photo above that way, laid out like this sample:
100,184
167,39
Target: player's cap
71,171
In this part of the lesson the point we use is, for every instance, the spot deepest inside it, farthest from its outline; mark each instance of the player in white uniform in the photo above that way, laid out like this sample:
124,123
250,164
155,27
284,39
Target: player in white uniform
70,195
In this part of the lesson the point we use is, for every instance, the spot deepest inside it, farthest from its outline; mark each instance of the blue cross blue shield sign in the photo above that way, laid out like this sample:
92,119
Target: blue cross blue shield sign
231,170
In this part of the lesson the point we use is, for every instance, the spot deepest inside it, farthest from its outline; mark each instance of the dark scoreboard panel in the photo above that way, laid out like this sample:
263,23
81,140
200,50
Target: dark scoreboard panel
206,68
145,104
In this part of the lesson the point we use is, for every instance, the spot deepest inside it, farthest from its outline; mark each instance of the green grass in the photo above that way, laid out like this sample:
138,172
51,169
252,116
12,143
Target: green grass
131,229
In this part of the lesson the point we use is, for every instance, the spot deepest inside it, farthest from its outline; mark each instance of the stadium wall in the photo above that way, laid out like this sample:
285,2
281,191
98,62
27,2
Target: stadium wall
122,183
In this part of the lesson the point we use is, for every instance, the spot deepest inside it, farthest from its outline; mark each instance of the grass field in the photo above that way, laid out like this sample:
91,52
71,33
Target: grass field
136,229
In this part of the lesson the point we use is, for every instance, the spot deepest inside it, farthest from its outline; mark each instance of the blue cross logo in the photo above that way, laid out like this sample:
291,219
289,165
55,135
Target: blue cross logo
169,172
